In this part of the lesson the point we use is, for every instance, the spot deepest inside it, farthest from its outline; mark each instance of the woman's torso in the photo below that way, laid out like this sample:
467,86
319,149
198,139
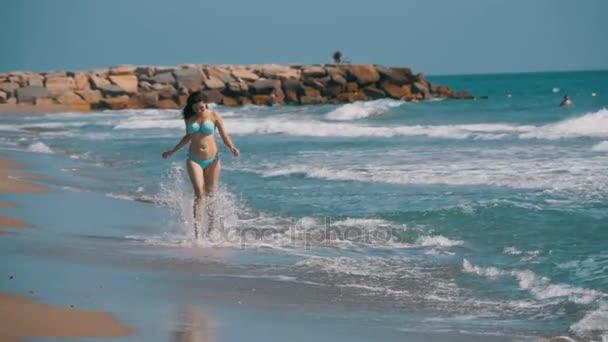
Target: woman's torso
201,129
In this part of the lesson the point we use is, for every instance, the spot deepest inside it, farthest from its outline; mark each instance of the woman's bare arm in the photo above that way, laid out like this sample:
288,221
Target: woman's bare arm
219,122
183,142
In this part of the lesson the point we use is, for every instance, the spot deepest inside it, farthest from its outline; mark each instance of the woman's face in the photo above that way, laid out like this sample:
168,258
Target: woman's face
199,107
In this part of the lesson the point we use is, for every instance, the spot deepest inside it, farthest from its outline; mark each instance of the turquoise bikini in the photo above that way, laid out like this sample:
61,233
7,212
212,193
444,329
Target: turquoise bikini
208,127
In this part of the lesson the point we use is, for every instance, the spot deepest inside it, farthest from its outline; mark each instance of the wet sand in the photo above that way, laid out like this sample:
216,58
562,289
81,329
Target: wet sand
40,109
21,317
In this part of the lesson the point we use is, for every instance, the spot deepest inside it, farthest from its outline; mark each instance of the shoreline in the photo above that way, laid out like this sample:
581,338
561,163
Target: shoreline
24,318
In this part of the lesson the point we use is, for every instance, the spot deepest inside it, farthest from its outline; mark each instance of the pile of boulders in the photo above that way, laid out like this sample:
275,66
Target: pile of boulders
128,86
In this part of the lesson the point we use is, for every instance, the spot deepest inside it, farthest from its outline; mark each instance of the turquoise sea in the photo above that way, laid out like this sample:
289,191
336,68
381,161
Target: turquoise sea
436,221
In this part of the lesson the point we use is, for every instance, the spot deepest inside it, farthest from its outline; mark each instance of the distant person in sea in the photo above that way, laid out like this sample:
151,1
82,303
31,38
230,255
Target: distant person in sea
566,101
203,163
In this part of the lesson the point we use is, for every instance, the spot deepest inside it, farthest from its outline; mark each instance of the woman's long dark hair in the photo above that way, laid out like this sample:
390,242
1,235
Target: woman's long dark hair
193,99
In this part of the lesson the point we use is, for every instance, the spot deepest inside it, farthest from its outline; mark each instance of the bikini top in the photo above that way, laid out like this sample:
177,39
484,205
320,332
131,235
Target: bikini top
208,127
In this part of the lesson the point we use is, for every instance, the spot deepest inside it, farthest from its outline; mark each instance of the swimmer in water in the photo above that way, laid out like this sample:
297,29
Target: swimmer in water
566,102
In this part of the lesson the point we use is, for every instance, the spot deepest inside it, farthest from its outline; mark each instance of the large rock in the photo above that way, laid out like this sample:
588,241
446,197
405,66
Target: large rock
123,70
313,71
144,86
165,77
213,96
243,100
364,73
443,91
214,83
244,74
90,96
397,76
317,83
393,90
150,99
338,79
167,104
336,71
119,102
34,80
374,93
112,90
308,100
219,73
126,82
261,100
292,89
289,74
264,86
351,97
73,100
272,70
165,91
229,101
9,87
19,78
310,92
59,84
82,81
331,91
31,93
238,87
44,101
3,97
191,78
145,71
422,87
98,81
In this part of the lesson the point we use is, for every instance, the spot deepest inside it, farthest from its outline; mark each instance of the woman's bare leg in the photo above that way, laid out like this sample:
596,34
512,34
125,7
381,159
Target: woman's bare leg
212,179
195,172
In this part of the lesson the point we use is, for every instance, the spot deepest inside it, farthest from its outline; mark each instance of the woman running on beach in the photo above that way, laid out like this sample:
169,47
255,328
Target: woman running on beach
203,161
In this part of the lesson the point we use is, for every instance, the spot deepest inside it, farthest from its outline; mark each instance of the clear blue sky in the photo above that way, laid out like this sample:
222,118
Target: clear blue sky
433,36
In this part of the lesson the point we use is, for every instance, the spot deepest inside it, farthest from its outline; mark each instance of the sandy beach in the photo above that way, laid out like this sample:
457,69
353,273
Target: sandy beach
21,317
7,109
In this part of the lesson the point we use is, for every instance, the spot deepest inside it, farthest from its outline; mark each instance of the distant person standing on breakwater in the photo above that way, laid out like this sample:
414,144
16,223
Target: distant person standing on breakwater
337,57
203,163
566,101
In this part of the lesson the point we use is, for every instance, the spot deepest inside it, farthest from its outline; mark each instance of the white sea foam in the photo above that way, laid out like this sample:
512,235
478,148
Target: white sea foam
589,125
437,241
156,123
540,287
595,321
361,110
601,147
593,124
40,147
504,168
